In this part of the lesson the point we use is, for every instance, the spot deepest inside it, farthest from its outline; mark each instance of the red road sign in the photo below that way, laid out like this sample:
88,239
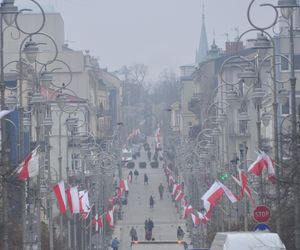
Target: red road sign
261,213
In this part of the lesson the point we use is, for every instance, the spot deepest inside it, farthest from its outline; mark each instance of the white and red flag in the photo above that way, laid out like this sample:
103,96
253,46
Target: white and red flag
59,190
180,195
109,216
124,185
196,219
243,183
171,180
167,171
187,210
30,166
84,203
73,200
176,188
263,160
97,222
215,193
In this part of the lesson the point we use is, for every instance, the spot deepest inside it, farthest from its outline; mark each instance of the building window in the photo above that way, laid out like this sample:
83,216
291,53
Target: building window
190,124
285,107
285,64
75,162
243,127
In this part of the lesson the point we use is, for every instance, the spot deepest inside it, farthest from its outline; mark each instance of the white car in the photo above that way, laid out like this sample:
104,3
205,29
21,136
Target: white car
126,155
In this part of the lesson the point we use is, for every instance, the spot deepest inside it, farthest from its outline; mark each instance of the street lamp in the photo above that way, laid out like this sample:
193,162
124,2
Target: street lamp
31,50
9,11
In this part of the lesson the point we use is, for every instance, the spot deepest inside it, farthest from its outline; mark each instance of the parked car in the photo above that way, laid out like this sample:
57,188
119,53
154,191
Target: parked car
130,164
154,164
142,164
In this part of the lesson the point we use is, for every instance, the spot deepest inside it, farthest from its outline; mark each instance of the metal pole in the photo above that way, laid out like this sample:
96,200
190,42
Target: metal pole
294,134
50,194
258,126
3,145
60,169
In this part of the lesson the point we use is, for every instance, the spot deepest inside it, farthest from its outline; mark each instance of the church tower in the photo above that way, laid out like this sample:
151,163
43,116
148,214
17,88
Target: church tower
202,50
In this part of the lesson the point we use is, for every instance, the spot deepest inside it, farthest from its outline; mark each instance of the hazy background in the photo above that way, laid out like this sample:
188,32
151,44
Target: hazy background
159,33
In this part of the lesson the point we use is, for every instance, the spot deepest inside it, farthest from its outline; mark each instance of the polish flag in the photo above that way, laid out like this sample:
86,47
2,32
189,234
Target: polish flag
59,190
124,185
232,197
187,210
84,203
196,219
203,218
270,167
30,166
73,200
171,180
179,196
257,166
97,221
109,216
167,171
243,183
213,194
176,188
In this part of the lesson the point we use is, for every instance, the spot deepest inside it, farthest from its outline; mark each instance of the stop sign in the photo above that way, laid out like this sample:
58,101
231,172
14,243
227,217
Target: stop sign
261,213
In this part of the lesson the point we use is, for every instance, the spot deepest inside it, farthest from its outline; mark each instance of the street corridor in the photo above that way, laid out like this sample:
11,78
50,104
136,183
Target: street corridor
164,214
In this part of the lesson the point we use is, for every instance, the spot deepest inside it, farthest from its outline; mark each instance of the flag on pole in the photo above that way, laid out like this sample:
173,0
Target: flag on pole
187,210
179,196
196,219
59,190
109,216
176,188
84,204
97,221
171,180
124,185
73,200
243,183
30,166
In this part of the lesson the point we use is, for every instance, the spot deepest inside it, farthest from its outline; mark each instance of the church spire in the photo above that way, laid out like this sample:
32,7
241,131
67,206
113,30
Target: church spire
203,43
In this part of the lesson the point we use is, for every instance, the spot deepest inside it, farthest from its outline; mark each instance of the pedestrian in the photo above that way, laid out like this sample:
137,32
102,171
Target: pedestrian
115,243
146,179
151,200
150,225
133,234
130,176
161,190
136,174
146,225
180,233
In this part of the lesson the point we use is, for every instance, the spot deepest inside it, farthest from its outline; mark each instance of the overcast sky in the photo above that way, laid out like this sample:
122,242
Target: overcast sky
162,34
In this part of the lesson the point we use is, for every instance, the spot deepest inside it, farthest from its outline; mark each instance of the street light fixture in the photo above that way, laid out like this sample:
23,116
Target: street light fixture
31,50
9,11
286,7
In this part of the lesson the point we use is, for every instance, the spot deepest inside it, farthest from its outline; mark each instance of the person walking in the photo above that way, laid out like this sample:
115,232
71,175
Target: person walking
115,243
133,234
146,179
151,201
130,176
150,224
161,190
180,233
136,174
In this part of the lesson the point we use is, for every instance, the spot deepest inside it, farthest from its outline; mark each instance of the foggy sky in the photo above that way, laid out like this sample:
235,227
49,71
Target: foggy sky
162,34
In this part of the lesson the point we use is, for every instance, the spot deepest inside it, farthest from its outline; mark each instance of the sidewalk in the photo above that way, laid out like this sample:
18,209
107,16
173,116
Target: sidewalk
164,215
